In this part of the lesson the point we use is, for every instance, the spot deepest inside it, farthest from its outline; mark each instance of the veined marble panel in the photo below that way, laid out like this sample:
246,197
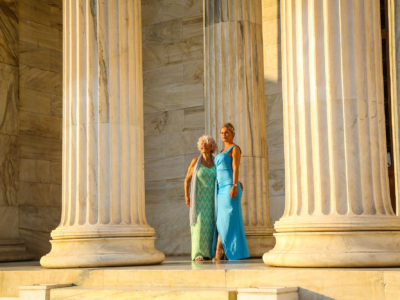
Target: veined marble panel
9,222
31,54
40,218
162,33
8,99
55,173
163,122
36,102
192,27
34,170
8,33
165,168
44,12
194,118
43,36
162,76
40,80
165,202
156,11
37,242
173,97
39,125
39,194
8,170
36,147
185,50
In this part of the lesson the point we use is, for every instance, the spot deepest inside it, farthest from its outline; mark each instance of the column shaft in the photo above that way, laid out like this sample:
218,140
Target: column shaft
103,214
234,90
338,211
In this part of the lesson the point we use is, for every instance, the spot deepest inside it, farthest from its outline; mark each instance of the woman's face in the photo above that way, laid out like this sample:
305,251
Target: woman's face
206,148
226,135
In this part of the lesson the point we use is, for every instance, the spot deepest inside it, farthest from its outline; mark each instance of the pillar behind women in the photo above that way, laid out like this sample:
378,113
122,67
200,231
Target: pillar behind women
201,178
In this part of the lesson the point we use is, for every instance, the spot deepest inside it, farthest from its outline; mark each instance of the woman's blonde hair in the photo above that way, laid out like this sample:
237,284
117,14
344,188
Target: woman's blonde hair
230,127
206,139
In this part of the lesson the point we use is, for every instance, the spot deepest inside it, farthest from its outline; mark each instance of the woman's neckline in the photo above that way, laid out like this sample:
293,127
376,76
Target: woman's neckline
206,166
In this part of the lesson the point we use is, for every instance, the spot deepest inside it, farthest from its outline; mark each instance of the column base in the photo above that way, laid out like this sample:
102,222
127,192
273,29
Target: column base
335,249
102,252
13,250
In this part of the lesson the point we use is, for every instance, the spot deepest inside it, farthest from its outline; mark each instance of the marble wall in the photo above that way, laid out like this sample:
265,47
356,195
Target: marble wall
173,113
9,162
40,113
273,98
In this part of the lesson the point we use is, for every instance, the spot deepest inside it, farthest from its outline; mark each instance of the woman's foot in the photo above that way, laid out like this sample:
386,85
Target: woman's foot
199,258
219,254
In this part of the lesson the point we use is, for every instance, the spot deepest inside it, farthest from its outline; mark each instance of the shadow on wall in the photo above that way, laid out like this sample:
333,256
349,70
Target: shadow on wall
274,106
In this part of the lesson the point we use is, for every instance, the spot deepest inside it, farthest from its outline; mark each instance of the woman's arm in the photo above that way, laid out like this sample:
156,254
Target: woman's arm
235,166
188,179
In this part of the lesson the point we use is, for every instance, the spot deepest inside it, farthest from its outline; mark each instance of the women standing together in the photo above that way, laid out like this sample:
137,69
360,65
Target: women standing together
224,204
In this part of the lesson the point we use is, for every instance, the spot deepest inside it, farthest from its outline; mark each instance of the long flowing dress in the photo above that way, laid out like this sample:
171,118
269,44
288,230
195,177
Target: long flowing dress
229,220
203,231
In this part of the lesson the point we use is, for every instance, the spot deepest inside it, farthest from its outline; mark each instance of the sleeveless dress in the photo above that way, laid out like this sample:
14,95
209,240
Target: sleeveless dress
203,231
229,220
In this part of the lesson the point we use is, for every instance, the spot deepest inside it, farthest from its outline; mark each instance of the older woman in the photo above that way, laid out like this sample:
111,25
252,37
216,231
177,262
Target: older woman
231,237
201,178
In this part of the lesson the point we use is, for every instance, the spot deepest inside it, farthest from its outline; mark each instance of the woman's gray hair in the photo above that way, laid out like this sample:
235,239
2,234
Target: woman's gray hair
206,139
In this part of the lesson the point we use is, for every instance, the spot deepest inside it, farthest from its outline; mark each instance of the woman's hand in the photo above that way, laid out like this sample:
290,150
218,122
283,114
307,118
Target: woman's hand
233,192
187,200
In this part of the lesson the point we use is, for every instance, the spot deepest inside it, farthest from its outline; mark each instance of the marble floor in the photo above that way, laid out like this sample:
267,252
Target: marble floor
181,273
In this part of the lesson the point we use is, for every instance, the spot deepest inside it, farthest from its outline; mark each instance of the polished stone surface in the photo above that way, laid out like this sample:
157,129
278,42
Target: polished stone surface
177,274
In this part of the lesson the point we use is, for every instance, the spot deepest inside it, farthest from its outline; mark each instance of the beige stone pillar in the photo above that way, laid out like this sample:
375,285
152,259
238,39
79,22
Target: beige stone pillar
338,211
234,92
103,220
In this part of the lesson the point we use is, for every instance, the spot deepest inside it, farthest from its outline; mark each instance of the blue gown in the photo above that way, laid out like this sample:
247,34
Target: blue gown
228,212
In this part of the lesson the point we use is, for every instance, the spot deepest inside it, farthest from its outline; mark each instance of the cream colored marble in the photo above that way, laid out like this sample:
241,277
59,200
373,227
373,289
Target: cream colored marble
338,212
234,92
39,292
139,294
268,293
103,220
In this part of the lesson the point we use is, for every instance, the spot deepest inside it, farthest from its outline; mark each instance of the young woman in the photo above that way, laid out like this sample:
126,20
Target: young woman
201,178
230,238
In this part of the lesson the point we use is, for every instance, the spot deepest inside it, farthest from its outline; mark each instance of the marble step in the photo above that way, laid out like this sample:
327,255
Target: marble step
120,293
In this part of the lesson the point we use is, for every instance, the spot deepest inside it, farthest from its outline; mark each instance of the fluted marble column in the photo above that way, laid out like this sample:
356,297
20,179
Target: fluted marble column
103,220
338,211
234,92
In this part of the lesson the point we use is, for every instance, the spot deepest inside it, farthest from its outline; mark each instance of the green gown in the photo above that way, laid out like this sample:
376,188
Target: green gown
203,231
